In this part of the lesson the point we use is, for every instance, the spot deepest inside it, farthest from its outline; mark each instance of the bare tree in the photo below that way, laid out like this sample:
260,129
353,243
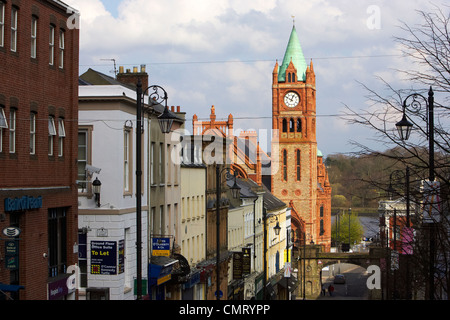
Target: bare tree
427,46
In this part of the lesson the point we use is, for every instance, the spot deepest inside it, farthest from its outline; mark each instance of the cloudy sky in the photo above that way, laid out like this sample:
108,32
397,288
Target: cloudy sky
222,53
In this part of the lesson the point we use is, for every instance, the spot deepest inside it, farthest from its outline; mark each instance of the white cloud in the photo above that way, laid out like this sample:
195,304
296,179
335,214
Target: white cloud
177,33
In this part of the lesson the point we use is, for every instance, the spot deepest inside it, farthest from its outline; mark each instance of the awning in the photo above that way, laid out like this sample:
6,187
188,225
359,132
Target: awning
160,269
10,287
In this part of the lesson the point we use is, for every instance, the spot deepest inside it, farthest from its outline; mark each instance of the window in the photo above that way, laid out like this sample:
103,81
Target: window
33,36
12,131
61,49
161,163
152,164
51,45
2,24
291,125
51,134
127,167
297,164
61,136
57,239
14,29
3,121
284,125
32,133
3,124
284,165
299,125
83,158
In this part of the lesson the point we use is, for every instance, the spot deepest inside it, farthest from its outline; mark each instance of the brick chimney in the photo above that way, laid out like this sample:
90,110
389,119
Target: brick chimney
132,77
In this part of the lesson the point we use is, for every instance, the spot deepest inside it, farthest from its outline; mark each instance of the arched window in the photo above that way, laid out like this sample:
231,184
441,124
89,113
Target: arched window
291,125
289,77
293,77
284,125
299,125
297,165
284,161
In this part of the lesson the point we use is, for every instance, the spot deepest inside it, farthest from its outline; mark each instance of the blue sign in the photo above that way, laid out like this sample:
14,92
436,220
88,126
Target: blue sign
24,203
161,247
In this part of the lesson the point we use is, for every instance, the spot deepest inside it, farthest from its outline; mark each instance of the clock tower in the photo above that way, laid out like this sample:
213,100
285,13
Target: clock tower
294,155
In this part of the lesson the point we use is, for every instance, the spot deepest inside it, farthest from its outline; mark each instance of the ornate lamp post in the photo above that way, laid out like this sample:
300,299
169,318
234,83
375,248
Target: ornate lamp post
165,121
404,128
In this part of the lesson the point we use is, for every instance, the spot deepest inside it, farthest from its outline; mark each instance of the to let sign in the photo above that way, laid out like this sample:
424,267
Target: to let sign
104,257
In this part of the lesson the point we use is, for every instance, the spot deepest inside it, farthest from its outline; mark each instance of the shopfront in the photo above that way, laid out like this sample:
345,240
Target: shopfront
160,272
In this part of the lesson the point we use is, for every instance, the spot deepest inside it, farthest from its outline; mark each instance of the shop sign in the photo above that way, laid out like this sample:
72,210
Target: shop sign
12,254
237,265
11,232
57,289
104,257
161,247
23,203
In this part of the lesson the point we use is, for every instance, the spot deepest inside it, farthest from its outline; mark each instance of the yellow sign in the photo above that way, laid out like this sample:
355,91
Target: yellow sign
164,279
161,253
287,255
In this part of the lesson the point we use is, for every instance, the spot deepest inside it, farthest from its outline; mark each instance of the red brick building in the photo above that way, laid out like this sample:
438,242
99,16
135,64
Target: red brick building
299,176
39,47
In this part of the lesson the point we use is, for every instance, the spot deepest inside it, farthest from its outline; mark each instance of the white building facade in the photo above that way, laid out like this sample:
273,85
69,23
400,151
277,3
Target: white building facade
107,145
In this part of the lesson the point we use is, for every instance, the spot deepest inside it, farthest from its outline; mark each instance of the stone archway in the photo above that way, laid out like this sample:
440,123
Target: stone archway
311,259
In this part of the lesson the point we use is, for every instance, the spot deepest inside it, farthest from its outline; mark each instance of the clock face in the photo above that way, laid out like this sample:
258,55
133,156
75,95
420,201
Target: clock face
291,99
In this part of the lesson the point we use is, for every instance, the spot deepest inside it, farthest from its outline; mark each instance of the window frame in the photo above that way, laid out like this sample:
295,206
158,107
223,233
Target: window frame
51,41
14,28
284,165
87,131
61,136
12,130
127,161
2,24
61,48
32,133
33,52
51,135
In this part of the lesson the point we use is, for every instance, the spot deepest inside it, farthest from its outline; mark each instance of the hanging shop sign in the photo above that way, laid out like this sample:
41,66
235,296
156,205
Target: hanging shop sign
11,232
161,247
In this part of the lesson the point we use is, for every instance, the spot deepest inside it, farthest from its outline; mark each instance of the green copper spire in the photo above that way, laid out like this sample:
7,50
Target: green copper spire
293,52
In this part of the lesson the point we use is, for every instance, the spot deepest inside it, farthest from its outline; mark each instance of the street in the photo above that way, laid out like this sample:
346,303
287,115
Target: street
355,287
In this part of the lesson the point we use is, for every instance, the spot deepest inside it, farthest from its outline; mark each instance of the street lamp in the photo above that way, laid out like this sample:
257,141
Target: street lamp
404,128
277,229
165,121
96,187
235,190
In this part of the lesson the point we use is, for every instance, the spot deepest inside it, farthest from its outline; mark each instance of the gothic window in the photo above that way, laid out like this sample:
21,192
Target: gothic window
284,125
321,211
299,125
291,125
293,77
284,165
322,230
289,77
297,164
